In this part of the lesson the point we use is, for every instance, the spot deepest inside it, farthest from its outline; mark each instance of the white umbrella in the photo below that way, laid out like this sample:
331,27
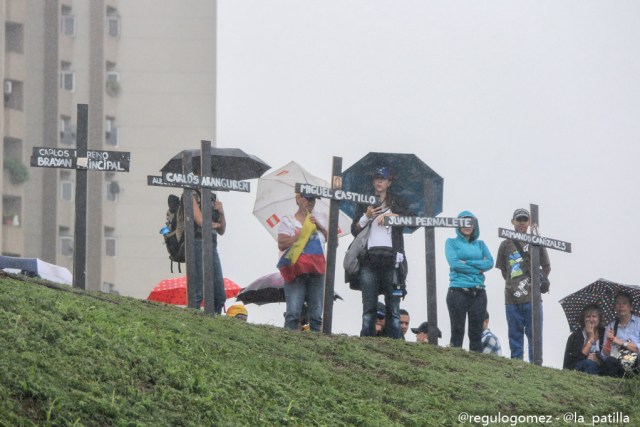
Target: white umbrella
275,198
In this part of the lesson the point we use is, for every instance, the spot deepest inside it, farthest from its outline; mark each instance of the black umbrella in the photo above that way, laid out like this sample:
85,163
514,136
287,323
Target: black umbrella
601,292
266,289
230,163
408,181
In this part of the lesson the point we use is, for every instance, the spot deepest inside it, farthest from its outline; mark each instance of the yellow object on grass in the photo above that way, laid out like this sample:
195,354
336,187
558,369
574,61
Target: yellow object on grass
308,228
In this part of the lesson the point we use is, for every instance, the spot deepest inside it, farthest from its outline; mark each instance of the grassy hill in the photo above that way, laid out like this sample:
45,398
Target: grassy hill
69,357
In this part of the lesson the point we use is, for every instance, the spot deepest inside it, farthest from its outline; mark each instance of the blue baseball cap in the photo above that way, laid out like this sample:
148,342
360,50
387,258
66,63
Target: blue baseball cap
383,172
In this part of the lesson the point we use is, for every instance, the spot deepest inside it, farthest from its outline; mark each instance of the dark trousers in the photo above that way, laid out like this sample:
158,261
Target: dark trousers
463,303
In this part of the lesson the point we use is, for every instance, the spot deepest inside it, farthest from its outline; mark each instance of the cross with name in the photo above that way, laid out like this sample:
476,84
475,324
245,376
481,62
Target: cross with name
536,242
430,223
81,160
336,194
189,182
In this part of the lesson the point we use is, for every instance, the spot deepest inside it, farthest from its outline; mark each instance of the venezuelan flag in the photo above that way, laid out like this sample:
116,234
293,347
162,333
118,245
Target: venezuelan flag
305,255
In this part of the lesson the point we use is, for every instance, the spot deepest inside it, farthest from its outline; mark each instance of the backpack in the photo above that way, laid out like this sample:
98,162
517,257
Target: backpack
174,238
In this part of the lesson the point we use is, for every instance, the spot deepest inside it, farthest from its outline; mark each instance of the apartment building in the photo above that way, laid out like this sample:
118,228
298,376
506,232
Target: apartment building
146,69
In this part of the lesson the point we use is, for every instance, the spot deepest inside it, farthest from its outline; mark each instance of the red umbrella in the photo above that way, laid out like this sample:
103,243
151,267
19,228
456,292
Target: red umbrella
174,291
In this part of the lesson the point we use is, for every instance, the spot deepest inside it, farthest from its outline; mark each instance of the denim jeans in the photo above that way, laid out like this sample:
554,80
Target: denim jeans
219,294
520,324
463,304
376,280
310,288
587,366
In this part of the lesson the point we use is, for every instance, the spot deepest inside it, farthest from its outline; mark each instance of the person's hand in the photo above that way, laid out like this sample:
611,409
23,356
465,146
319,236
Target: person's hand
594,357
611,336
589,328
372,211
217,206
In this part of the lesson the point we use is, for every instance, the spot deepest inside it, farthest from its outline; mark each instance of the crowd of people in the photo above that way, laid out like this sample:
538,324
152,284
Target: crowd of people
593,348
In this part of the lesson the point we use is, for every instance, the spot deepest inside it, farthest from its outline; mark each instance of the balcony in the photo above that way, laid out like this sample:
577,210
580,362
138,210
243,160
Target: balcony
14,123
12,239
16,11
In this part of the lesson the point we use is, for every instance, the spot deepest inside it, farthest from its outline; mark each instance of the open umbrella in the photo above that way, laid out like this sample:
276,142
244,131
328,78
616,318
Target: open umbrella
35,267
408,181
265,290
275,198
601,292
230,163
174,291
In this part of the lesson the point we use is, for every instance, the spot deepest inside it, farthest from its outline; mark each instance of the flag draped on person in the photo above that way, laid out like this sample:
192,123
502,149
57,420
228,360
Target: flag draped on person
305,255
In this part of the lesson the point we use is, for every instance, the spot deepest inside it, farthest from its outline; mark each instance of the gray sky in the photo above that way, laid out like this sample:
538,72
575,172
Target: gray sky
511,103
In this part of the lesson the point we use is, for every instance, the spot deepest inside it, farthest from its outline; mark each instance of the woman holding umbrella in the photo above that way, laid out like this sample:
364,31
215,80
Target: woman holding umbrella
302,264
584,344
385,250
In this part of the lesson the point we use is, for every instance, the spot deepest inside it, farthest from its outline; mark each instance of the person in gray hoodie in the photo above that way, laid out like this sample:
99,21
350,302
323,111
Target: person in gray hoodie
468,259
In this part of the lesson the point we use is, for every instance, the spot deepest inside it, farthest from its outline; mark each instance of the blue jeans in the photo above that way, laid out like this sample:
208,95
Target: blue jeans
376,280
464,303
520,324
310,288
587,366
219,294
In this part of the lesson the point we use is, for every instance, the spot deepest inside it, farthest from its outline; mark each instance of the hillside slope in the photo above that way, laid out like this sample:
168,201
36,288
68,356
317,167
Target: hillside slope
71,357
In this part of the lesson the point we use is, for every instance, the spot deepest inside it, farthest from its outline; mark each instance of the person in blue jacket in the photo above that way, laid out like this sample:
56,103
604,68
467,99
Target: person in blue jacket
468,259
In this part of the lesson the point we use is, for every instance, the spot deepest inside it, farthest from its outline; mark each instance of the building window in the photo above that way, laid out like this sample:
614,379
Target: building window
67,22
110,246
66,190
112,190
67,131
14,37
110,131
68,80
113,25
66,246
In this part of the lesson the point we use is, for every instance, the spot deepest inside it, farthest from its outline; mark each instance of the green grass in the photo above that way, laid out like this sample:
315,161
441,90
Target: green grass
69,357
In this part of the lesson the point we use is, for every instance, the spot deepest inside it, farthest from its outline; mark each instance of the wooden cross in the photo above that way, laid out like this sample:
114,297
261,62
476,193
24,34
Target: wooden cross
188,182
81,160
536,241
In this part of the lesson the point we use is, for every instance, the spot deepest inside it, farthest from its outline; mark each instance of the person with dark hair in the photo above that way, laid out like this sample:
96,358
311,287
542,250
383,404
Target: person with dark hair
490,342
381,320
468,259
385,251
404,321
623,334
513,260
584,344
422,332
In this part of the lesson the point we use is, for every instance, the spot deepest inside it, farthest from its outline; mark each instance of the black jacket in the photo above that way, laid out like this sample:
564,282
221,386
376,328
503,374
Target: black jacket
573,351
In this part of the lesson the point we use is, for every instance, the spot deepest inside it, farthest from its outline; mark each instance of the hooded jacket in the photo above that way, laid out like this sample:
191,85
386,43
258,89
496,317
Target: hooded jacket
468,260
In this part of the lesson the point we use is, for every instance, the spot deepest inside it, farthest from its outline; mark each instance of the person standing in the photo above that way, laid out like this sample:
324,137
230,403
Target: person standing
385,250
490,342
513,260
217,225
302,265
468,259
585,343
621,334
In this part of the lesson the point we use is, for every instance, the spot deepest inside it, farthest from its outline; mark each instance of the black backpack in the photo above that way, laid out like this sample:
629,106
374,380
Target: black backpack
174,239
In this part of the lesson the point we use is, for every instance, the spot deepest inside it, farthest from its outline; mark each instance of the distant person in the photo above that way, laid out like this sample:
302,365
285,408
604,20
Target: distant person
385,251
584,345
217,225
404,322
513,260
422,332
621,334
238,311
468,259
490,342
381,320
302,266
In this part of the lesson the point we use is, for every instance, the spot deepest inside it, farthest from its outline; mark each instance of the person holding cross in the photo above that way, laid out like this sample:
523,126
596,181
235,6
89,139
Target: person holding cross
385,252
513,260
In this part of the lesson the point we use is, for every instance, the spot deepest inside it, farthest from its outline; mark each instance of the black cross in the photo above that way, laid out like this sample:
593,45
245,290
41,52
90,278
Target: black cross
81,160
536,241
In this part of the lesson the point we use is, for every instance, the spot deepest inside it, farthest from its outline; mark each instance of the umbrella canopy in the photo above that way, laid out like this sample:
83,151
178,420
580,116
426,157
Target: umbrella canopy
266,289
275,198
408,181
230,163
174,291
35,267
601,292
